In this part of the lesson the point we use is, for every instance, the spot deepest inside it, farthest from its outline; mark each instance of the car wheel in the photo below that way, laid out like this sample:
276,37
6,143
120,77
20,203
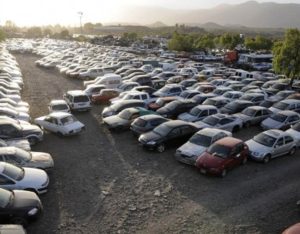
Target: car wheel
19,220
267,158
244,161
32,140
160,148
235,128
292,151
223,173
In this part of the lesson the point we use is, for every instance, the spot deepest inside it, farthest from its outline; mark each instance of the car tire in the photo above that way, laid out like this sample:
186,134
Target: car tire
19,220
235,128
244,161
32,140
223,173
267,158
292,151
160,148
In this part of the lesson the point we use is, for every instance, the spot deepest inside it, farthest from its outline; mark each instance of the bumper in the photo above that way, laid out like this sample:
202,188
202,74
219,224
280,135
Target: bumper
185,159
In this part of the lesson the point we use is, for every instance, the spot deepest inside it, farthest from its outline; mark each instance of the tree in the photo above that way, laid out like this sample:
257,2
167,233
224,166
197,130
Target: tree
88,28
181,42
259,43
34,32
287,55
205,42
230,41
64,34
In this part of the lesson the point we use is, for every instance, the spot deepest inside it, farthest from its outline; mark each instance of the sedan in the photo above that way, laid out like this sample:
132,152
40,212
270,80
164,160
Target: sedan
198,143
13,177
146,123
253,115
222,156
281,120
58,106
198,113
294,131
271,144
167,134
23,158
64,124
124,119
221,121
19,206
174,108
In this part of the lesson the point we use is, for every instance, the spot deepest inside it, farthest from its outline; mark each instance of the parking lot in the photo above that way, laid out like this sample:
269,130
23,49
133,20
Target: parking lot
106,183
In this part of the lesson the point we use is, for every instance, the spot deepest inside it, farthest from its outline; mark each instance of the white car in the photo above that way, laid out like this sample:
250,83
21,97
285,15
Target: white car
19,143
198,143
221,121
64,124
271,144
58,106
13,177
14,114
294,131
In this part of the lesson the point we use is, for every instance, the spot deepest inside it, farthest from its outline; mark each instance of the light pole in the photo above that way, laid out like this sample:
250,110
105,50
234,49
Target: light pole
80,13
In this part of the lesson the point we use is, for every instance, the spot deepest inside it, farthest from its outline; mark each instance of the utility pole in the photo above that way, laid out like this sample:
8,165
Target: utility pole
80,13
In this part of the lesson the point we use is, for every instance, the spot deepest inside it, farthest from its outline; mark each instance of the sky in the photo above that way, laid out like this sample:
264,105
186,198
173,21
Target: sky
65,12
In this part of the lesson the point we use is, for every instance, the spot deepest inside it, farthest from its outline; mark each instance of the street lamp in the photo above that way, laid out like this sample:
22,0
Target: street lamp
80,13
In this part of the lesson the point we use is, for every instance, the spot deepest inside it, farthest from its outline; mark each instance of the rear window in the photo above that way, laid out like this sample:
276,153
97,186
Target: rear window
82,98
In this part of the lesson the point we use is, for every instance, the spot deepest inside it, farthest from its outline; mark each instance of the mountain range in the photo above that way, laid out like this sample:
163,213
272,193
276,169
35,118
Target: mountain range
249,14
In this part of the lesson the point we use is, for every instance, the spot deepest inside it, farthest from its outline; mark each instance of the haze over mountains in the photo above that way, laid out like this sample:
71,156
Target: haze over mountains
250,14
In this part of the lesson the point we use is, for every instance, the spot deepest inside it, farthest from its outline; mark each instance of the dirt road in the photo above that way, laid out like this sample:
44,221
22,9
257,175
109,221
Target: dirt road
106,183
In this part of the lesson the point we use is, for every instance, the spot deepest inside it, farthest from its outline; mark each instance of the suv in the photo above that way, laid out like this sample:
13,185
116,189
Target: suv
78,100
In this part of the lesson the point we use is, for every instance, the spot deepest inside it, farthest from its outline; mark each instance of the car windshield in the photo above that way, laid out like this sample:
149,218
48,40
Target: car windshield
280,105
82,98
23,154
249,112
279,117
195,111
202,140
231,106
165,89
221,151
296,127
125,114
60,107
265,139
5,198
184,94
162,130
210,120
68,120
13,172
171,105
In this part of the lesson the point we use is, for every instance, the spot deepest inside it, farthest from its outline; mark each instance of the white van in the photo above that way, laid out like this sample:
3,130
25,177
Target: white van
78,100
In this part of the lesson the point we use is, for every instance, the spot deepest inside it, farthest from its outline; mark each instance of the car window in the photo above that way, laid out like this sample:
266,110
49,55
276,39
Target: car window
279,142
144,96
224,121
288,139
185,130
204,113
258,113
4,180
12,159
8,130
174,133
213,111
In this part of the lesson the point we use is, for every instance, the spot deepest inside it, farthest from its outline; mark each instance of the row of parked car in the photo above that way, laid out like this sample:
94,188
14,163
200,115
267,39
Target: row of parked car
23,173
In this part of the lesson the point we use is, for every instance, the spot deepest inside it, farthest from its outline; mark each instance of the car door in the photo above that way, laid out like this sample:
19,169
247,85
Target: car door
173,136
290,121
279,148
257,117
203,114
48,123
225,124
288,144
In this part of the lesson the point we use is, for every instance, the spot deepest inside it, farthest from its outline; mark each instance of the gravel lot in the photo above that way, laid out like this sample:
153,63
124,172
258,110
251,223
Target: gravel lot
106,183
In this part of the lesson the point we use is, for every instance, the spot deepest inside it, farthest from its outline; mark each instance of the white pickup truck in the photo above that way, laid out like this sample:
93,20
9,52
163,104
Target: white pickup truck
134,95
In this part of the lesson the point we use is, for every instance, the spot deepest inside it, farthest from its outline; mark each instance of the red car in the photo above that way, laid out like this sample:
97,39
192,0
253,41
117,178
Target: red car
223,155
295,229
104,96
160,102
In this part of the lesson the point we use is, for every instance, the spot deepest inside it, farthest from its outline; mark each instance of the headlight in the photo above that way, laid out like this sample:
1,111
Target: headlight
151,143
257,154
33,211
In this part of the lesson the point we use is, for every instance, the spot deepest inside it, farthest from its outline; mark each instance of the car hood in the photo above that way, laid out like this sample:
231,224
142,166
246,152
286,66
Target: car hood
149,136
34,177
41,160
25,199
115,120
190,149
256,147
210,161
187,117
271,123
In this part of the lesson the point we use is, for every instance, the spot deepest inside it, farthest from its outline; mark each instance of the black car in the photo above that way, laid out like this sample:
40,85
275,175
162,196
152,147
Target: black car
174,108
19,206
12,129
146,123
235,106
171,133
119,106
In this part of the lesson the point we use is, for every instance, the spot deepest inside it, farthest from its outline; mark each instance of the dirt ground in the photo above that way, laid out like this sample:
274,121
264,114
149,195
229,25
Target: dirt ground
106,183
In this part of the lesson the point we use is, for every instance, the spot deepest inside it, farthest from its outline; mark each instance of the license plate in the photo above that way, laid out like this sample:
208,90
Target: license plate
203,171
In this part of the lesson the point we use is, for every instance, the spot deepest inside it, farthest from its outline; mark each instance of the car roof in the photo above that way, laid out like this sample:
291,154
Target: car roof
58,102
210,131
205,107
76,92
7,150
274,132
228,141
151,117
287,112
291,101
176,123
257,107
59,114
